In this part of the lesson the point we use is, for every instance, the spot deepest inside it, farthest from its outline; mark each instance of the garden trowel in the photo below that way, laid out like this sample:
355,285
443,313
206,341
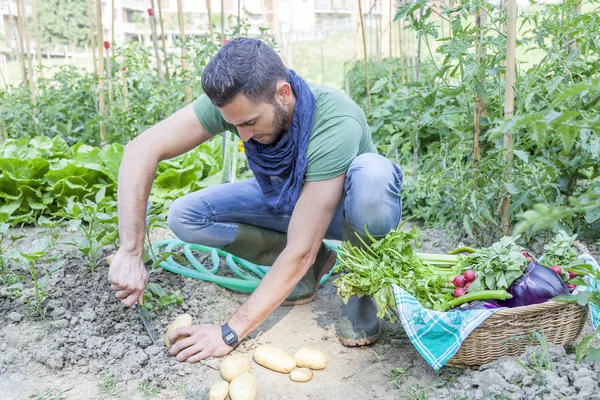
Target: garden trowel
147,322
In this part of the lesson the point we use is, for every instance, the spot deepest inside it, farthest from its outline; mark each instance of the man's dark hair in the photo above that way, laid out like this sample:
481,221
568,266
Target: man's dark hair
243,65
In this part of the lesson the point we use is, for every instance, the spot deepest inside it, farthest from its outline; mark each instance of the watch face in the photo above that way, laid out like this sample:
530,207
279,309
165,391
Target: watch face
229,337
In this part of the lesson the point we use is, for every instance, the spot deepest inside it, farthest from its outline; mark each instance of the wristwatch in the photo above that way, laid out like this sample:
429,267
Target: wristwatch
229,335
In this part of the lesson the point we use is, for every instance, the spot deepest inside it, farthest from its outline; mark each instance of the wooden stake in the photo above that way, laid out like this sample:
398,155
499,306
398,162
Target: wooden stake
480,108
391,58
222,21
92,36
511,26
38,45
368,86
29,58
184,60
109,71
161,78
210,25
125,88
101,100
112,23
417,76
21,44
162,36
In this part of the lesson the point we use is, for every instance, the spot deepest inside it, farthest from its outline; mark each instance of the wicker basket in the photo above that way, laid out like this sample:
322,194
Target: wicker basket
508,330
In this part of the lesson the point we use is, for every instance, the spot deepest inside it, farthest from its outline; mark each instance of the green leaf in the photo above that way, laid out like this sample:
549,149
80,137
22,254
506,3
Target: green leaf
379,85
592,356
583,347
156,289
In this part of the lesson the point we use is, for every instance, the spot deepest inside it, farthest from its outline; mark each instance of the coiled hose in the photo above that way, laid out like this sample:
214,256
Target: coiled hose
249,274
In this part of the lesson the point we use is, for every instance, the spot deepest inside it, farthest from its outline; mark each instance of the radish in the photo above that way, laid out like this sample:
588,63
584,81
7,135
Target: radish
459,281
527,256
468,285
459,292
469,275
571,286
572,275
556,269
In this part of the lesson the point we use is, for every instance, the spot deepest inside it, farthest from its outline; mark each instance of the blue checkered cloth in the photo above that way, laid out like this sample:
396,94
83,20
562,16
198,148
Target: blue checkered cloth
436,335
593,285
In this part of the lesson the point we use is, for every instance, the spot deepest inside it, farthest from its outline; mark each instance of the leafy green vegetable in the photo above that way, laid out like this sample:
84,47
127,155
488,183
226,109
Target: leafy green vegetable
497,266
559,251
393,260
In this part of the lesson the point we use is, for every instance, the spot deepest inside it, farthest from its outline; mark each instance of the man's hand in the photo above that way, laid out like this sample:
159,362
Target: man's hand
199,342
128,278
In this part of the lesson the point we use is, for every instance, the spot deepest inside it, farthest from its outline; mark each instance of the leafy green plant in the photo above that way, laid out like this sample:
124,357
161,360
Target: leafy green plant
29,262
155,296
5,234
96,220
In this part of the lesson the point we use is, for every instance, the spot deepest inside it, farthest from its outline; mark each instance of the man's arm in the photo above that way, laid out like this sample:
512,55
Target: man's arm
310,220
177,134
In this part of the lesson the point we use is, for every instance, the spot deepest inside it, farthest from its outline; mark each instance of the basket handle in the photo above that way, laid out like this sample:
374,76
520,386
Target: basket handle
581,247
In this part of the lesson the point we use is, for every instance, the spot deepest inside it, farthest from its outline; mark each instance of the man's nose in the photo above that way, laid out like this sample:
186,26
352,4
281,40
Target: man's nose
245,134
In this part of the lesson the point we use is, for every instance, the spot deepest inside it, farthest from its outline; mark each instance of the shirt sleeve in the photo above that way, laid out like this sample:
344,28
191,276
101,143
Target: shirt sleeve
210,117
333,148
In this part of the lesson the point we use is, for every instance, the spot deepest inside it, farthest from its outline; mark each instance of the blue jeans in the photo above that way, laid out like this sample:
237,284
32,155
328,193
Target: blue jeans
211,216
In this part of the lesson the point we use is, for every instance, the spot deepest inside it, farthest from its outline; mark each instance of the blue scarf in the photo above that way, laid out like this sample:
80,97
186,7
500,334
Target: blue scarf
279,169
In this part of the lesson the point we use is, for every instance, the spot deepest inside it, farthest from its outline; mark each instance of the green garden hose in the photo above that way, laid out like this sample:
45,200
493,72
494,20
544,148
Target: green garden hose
249,274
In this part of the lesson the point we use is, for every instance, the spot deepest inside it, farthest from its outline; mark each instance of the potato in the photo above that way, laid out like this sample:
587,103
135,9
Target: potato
301,375
182,320
310,358
274,358
219,391
244,387
110,258
234,366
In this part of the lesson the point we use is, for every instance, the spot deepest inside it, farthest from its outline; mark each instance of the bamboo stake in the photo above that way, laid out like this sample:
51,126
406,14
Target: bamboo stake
210,25
184,60
21,44
417,76
29,58
38,45
92,37
112,23
125,88
390,39
162,36
480,107
108,70
401,48
362,25
222,21
511,25
101,100
161,78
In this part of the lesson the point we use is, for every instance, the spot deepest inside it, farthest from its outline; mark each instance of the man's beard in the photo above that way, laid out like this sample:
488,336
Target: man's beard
280,121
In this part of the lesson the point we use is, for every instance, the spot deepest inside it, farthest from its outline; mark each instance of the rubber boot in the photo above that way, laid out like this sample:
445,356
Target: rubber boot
263,246
358,325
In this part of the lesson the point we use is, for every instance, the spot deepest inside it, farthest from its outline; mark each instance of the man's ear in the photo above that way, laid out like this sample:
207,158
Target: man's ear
283,94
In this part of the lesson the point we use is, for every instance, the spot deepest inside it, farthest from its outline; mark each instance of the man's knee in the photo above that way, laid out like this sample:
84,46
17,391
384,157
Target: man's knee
187,215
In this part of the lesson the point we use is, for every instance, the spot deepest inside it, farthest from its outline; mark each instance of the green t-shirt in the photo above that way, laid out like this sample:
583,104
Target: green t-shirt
339,134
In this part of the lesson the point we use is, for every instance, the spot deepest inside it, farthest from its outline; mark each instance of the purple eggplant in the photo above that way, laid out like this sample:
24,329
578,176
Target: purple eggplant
537,285
479,305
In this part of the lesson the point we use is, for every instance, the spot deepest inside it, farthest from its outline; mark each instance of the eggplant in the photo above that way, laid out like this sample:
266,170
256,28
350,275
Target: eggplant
479,305
537,285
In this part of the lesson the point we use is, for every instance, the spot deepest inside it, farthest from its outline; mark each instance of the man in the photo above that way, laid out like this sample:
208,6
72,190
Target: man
317,175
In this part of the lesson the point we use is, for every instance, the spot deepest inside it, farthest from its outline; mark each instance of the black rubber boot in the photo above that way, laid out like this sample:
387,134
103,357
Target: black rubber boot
306,290
263,246
358,325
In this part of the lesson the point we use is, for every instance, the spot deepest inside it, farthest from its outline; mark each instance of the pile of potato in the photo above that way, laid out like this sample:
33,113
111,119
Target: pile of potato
240,384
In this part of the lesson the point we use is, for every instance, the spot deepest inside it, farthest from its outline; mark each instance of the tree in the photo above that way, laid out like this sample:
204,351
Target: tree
64,22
